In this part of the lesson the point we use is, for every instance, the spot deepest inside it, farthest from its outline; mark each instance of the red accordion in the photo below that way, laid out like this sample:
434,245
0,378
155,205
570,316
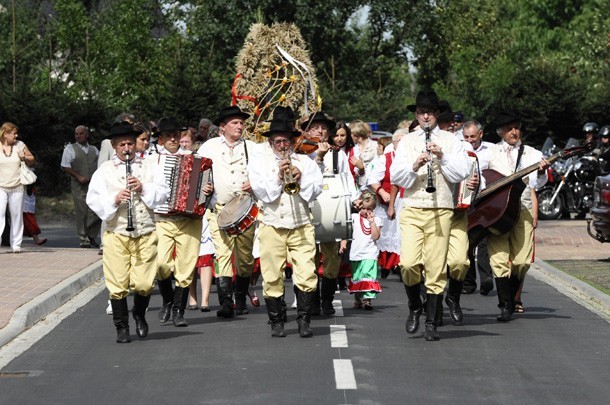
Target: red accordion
186,176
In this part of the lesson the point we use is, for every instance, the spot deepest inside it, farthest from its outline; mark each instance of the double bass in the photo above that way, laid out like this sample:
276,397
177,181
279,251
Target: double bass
496,209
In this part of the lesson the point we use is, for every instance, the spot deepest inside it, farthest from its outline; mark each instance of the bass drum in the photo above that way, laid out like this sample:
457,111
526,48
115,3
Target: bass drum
332,210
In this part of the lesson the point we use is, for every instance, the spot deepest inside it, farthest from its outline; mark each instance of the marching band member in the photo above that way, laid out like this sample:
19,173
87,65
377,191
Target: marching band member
129,257
229,152
425,220
511,253
473,134
178,235
330,162
286,227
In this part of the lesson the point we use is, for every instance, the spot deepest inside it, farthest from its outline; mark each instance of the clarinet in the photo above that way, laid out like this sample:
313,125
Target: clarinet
129,227
430,188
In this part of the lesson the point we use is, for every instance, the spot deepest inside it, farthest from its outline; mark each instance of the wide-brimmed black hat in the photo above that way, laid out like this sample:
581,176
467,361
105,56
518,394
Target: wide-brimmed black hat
446,114
167,124
281,126
284,113
318,117
504,118
122,129
228,112
425,99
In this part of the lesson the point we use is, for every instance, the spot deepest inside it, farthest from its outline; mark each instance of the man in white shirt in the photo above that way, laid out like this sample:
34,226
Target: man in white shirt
116,194
473,134
331,162
511,253
79,161
286,227
426,156
231,155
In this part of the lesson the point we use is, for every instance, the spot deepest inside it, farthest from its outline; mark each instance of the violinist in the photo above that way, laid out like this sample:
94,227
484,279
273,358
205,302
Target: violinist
317,128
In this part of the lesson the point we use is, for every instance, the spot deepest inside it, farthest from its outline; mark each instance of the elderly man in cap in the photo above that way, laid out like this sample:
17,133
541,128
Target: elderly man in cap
331,163
179,236
511,253
428,155
130,255
286,183
231,155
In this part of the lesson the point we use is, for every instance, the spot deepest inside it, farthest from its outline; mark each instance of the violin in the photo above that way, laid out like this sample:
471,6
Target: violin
306,146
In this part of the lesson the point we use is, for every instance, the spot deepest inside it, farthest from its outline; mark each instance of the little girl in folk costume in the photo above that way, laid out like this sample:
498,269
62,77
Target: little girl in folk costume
364,252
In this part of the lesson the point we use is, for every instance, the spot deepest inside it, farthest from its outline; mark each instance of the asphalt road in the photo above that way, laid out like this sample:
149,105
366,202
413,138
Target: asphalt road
556,352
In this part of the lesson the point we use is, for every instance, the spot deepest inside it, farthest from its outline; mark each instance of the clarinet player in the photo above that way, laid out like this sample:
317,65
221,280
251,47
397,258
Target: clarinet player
429,172
127,187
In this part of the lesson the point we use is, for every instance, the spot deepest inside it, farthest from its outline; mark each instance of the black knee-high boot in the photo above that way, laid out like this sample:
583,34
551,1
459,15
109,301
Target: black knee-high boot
167,293
241,291
225,297
329,285
140,303
120,317
181,296
304,313
415,308
506,299
454,291
432,302
274,310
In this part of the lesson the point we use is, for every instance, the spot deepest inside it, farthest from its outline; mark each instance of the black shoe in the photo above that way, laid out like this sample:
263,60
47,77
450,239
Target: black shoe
487,286
122,336
304,328
165,312
412,324
141,326
93,243
277,330
431,334
469,289
327,308
385,273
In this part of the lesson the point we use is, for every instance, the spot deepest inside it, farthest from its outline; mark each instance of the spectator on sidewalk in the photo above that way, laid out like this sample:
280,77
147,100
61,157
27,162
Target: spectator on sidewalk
11,190
79,161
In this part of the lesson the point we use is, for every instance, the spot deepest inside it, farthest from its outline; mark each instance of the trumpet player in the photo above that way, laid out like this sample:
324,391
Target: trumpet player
421,166
286,183
130,257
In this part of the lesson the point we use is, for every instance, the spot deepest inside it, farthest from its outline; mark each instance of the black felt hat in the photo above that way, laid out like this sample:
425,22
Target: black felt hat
505,118
228,112
168,124
122,129
281,126
318,117
284,113
425,99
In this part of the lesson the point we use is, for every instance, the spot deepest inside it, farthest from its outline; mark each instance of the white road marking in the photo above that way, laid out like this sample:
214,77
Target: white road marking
338,336
344,374
338,307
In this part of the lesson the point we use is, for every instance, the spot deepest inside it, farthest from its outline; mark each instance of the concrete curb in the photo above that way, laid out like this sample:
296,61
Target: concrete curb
577,290
40,307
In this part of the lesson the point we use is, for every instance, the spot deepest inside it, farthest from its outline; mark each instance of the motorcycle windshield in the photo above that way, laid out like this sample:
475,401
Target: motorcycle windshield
572,142
548,147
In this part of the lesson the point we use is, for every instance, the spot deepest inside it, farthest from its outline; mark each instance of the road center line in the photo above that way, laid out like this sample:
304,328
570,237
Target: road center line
344,374
338,307
338,336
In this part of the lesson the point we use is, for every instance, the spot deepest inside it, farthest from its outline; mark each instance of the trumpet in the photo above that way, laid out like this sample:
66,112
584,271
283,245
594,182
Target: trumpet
291,187
430,188
130,226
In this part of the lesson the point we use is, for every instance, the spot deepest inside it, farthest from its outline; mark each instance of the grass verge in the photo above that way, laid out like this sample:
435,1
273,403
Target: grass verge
596,273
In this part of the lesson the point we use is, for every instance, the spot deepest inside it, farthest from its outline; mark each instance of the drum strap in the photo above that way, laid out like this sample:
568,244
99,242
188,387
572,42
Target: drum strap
335,161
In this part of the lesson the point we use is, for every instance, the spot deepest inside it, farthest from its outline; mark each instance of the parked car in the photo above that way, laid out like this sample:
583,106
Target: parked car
600,212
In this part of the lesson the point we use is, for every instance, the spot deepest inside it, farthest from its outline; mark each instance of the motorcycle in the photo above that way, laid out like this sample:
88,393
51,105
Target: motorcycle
569,188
